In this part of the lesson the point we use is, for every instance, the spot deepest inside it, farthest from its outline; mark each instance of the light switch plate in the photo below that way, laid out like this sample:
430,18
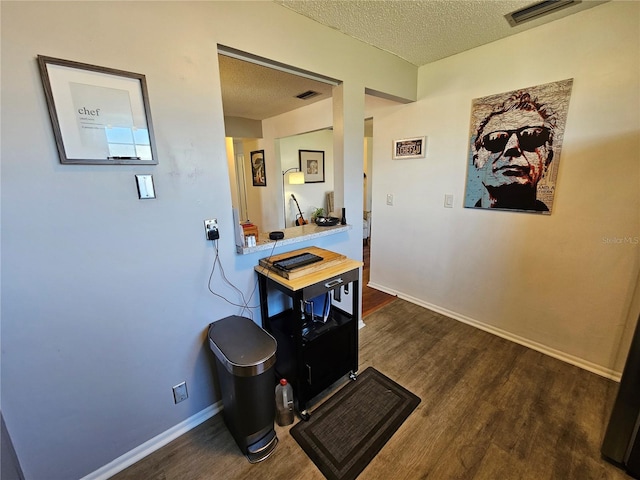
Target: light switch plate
448,200
145,186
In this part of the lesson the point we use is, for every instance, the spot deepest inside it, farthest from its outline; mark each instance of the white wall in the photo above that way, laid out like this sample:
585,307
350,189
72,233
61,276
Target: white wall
368,171
311,118
285,131
310,195
105,303
258,201
552,282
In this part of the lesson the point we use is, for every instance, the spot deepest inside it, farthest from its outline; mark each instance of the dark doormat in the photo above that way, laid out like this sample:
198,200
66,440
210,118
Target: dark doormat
347,431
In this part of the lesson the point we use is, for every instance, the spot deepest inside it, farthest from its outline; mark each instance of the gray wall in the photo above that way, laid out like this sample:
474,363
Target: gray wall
104,297
10,466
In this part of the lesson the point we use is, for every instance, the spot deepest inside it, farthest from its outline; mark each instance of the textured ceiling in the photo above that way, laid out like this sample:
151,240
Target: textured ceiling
256,92
424,31
419,31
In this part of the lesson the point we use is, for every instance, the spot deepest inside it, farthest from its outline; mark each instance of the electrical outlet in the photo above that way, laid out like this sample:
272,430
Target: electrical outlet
211,229
389,199
180,392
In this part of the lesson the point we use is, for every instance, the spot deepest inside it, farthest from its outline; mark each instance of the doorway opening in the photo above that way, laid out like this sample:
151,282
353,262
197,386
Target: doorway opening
256,92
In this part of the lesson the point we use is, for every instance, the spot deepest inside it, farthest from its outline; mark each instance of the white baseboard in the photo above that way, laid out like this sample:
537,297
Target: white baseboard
154,444
565,357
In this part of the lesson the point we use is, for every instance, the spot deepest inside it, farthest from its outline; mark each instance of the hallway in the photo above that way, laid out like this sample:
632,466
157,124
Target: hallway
372,299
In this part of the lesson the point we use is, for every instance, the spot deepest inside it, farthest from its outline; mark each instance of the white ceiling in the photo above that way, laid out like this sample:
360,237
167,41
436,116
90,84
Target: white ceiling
423,31
419,31
257,92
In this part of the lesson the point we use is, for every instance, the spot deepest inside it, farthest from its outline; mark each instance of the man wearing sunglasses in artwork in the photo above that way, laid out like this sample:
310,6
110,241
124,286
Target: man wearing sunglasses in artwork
512,150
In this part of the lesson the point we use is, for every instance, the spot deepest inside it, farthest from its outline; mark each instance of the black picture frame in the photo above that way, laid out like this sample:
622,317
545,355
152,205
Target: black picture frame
100,115
258,169
311,163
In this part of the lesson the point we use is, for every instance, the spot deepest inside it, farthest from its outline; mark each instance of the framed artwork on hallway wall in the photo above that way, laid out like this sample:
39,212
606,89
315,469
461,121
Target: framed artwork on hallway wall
514,146
100,115
257,169
406,148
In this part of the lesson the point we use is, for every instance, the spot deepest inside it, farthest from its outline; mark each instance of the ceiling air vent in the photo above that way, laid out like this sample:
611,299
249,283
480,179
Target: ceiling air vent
307,95
537,10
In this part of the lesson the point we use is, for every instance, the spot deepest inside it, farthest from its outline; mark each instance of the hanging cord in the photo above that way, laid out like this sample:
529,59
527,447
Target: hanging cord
245,307
245,304
255,285
269,268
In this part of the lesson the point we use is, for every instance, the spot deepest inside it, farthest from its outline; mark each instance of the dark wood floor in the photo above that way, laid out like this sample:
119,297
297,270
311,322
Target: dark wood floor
372,299
490,410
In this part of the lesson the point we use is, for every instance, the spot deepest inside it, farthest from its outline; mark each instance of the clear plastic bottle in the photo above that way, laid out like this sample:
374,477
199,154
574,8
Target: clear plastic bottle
284,403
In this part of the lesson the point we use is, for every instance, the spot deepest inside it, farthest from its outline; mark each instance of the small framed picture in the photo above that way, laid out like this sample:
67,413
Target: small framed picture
257,169
312,165
409,148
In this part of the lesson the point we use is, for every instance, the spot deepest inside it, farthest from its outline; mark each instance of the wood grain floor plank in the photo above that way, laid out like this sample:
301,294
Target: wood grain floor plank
372,299
490,410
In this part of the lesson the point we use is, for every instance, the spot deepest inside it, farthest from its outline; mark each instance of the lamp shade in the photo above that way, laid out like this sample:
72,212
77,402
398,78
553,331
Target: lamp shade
296,178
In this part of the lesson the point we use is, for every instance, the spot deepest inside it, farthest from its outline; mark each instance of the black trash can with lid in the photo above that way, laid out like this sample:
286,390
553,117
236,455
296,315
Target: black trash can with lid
245,358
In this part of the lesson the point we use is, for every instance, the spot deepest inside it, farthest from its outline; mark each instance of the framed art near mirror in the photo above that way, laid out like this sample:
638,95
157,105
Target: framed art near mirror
258,169
312,165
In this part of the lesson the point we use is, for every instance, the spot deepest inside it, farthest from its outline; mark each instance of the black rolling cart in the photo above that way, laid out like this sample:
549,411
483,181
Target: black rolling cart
312,353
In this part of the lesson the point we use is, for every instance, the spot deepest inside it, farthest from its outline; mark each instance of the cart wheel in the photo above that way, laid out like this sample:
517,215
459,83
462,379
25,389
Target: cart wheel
353,376
305,416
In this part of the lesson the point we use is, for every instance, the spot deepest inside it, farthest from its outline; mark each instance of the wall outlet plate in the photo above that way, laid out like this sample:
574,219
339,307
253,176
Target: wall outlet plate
211,229
180,392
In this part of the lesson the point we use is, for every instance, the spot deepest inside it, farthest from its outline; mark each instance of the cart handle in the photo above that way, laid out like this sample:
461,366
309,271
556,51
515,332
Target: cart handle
333,283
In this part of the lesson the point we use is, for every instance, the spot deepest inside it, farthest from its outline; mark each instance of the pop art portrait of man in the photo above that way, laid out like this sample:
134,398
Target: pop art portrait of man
514,148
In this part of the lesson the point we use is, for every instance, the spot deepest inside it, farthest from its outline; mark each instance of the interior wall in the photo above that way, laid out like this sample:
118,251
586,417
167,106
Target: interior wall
368,171
561,283
105,303
242,127
311,118
9,465
310,195
258,198
267,214
315,117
